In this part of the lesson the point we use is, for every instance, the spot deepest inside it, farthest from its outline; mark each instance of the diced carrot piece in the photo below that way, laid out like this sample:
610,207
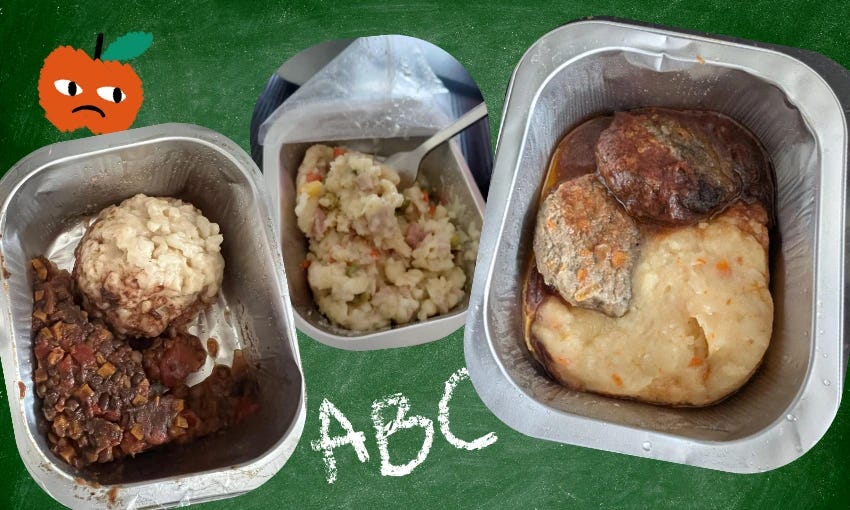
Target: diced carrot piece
581,274
67,453
40,270
582,224
84,392
55,356
339,151
106,370
723,268
313,176
619,258
695,362
58,329
306,263
137,432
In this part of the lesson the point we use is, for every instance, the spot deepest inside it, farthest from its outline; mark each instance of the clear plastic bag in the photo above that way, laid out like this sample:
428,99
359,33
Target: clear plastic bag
378,87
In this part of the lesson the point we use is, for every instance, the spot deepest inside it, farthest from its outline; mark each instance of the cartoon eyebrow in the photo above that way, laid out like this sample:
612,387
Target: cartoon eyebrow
89,107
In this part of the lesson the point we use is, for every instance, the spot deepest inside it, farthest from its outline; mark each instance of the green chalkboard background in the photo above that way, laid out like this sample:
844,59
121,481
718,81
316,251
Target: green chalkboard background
208,63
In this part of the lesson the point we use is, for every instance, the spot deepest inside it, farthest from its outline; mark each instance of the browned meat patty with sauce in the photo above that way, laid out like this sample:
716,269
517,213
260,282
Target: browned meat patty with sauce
679,167
585,245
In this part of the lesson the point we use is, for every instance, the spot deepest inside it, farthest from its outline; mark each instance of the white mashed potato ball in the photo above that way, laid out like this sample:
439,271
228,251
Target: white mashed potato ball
147,264
378,255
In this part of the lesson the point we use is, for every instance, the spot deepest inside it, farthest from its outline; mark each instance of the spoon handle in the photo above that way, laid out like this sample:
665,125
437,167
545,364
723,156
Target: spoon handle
464,121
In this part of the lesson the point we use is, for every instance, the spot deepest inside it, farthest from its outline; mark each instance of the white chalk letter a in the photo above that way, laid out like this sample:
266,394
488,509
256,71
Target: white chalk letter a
326,444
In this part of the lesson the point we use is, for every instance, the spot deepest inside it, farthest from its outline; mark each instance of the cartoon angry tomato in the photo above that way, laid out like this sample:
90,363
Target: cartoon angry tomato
100,93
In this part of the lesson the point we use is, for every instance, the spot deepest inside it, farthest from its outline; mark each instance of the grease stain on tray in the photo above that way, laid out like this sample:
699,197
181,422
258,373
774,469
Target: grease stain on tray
112,495
6,274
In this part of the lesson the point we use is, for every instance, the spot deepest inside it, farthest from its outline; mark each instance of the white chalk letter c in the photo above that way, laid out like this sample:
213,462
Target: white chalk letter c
443,417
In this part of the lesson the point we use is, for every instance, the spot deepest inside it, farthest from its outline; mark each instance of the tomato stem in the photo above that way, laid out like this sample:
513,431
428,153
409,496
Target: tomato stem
98,46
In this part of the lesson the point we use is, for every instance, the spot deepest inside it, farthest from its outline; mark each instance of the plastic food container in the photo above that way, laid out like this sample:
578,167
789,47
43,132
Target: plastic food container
794,101
45,199
444,170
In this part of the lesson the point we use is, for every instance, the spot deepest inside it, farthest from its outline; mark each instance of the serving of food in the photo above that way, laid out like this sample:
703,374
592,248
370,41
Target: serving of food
378,256
650,275
111,344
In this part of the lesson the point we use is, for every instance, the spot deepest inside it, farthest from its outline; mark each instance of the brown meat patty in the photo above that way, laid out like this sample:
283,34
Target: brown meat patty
679,167
585,245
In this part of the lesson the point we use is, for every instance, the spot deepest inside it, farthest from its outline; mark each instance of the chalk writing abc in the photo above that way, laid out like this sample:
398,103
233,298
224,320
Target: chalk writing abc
385,428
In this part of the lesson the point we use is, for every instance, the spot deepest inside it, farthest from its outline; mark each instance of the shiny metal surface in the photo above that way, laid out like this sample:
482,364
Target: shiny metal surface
45,200
407,163
598,66
444,169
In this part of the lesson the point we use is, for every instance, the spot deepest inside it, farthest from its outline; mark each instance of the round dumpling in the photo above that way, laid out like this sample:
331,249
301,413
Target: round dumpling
149,263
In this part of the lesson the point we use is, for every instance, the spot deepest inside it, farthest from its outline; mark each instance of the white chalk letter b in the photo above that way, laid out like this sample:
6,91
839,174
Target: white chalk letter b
326,444
383,431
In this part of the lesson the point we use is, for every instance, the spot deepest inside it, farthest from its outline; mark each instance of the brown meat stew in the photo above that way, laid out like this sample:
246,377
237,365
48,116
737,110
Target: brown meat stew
105,400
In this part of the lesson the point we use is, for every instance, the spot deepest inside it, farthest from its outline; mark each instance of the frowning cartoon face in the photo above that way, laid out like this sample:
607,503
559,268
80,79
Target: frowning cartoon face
77,91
